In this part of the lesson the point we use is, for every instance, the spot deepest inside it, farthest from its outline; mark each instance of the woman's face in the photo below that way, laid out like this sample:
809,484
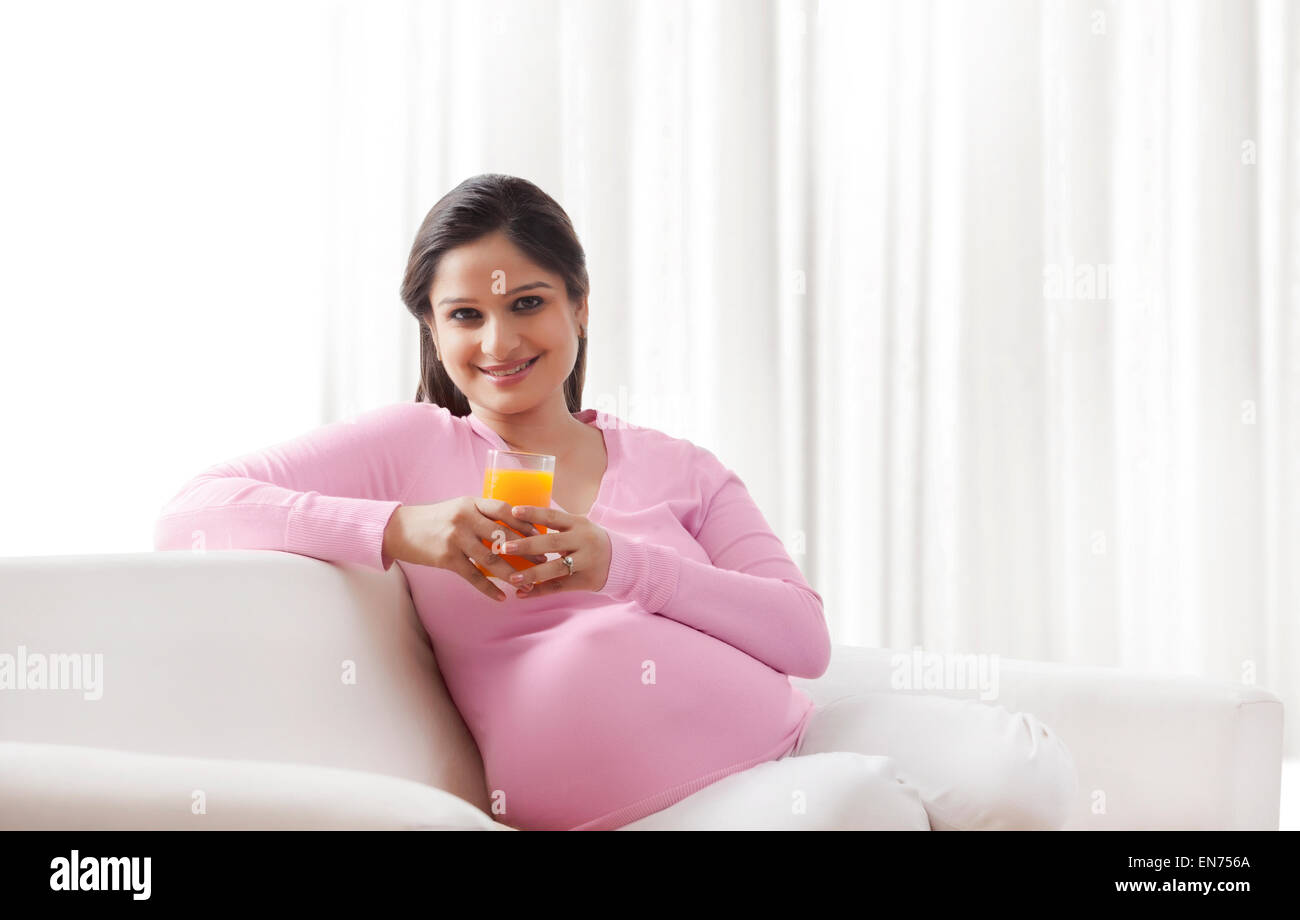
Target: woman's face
506,310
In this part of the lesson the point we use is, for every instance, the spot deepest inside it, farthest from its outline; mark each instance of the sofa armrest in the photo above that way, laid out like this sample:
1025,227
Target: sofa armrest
1153,751
240,654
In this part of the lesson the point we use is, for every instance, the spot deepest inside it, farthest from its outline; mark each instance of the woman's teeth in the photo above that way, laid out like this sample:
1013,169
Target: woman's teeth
511,371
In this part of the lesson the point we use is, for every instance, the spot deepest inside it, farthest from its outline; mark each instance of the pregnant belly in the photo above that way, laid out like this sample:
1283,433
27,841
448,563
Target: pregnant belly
616,706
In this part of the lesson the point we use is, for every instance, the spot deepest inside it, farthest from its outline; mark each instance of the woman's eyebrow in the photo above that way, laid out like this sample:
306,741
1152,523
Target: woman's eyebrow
522,287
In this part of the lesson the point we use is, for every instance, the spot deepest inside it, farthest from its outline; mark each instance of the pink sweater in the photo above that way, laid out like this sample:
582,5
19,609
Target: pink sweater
590,709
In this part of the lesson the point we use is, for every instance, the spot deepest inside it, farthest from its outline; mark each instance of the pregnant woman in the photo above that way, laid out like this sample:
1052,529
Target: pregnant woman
637,675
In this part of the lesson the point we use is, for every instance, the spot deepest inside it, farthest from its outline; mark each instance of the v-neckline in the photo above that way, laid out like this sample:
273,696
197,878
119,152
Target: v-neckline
587,417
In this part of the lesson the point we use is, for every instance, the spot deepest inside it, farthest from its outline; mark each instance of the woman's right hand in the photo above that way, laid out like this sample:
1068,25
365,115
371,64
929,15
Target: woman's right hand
447,535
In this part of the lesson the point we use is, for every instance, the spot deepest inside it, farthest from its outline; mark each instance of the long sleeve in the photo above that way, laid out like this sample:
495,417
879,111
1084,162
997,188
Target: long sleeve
752,597
328,493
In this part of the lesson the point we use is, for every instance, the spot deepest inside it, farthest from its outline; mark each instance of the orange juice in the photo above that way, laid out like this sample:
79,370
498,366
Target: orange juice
518,487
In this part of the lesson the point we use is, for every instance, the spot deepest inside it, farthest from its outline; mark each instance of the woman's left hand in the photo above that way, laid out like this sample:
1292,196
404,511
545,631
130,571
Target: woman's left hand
571,535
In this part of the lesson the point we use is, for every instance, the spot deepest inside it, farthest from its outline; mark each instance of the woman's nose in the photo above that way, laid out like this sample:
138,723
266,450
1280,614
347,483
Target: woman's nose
499,340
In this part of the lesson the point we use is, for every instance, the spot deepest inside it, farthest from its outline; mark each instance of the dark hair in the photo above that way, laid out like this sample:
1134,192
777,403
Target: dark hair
479,206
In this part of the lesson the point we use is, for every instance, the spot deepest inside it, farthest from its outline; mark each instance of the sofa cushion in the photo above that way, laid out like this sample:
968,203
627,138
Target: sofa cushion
70,787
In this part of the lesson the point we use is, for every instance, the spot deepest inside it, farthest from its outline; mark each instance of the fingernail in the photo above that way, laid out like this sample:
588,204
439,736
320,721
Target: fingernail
516,578
509,547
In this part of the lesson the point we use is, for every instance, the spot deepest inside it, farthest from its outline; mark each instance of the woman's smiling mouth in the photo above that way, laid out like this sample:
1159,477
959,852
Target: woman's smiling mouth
509,371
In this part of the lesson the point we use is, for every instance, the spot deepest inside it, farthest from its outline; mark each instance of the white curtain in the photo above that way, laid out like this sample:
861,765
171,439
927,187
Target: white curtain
993,305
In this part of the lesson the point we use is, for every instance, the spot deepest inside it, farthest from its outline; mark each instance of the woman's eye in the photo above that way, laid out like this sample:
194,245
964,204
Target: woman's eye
456,314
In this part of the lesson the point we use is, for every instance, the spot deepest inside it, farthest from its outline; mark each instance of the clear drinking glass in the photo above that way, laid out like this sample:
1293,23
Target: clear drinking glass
520,478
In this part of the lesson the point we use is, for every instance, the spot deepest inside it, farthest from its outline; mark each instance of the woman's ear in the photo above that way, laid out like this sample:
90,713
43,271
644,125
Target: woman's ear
581,313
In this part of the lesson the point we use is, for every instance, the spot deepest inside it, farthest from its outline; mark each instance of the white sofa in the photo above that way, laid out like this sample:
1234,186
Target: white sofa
225,700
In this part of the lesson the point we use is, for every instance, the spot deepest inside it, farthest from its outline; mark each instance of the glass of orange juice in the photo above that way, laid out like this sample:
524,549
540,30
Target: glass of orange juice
520,478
